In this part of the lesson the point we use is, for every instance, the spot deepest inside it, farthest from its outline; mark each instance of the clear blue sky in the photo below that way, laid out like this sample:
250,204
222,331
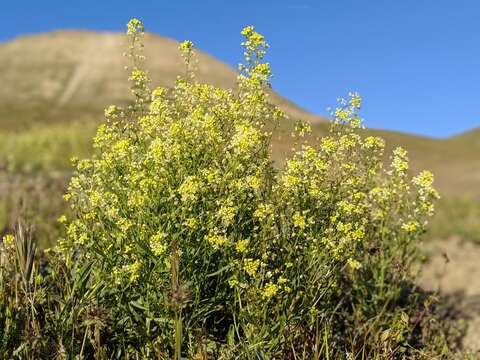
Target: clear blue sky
415,62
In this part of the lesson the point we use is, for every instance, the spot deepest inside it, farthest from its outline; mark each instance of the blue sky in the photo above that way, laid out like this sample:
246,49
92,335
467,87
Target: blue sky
416,63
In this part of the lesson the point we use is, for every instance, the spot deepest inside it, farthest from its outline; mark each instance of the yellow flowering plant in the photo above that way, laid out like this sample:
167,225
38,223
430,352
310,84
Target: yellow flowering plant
350,231
191,242
182,172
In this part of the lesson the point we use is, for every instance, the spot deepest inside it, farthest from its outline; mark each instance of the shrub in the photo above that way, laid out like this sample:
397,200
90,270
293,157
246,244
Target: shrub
185,241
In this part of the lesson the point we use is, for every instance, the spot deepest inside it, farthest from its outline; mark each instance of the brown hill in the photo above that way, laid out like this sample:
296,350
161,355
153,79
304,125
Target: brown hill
60,75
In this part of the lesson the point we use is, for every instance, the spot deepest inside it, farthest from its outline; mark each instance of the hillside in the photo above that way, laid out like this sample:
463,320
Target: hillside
61,75
70,76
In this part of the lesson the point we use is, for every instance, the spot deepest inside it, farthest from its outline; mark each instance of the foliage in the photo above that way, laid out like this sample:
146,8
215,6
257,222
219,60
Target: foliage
183,239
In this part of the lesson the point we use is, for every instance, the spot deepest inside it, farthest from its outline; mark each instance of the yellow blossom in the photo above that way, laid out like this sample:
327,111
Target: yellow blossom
302,128
264,211
400,160
189,189
62,219
245,137
270,290
8,239
191,223
134,270
216,240
299,220
134,26
424,179
410,227
226,214
157,244
242,246
251,266
232,283
354,264
328,145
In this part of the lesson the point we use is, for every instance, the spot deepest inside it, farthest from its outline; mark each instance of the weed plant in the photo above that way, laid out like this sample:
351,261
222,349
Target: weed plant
184,241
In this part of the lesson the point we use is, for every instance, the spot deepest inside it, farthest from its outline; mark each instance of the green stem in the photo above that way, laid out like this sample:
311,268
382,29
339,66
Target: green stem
178,334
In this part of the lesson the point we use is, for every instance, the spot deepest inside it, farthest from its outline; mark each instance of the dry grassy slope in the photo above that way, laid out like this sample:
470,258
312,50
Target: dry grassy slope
57,75
68,75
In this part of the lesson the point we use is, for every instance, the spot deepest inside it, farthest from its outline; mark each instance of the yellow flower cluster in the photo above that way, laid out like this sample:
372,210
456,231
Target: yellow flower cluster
302,128
328,145
354,264
264,211
227,214
134,26
157,244
255,38
8,240
245,138
111,112
410,227
186,45
216,240
355,100
233,282
400,160
270,290
424,179
262,69
299,220
242,246
138,76
251,266
134,271
191,223
189,189
373,142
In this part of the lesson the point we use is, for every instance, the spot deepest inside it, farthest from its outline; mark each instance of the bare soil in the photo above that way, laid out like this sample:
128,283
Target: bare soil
453,269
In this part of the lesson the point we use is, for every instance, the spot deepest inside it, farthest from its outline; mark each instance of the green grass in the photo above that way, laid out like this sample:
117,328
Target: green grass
36,167
45,148
456,217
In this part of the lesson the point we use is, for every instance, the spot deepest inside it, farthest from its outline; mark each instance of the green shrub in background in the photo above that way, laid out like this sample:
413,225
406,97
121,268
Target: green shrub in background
184,241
